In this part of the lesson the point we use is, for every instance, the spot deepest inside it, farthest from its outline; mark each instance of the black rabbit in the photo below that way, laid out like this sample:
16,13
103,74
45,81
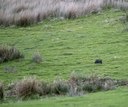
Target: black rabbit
98,61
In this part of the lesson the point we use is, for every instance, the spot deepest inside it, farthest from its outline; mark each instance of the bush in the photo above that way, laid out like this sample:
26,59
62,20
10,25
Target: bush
75,89
77,85
37,58
89,87
44,89
92,83
59,87
28,87
1,91
8,54
10,90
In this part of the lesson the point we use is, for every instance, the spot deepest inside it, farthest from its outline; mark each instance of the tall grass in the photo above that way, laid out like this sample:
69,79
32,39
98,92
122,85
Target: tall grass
75,85
28,86
9,53
27,12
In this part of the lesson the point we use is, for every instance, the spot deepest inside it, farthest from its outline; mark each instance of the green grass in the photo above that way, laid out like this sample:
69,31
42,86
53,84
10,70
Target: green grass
117,98
69,45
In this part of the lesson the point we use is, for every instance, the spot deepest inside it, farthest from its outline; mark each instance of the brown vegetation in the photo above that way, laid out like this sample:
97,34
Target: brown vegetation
9,53
74,86
27,87
27,12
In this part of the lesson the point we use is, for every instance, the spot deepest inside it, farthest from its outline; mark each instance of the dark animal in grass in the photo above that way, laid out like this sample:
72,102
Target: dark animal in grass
98,61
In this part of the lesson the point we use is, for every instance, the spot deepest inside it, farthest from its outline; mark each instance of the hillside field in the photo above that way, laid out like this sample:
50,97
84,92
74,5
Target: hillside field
71,45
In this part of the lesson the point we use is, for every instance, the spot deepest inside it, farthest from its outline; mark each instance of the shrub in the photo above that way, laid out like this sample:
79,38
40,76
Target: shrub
89,87
92,83
37,58
8,54
76,86
59,87
28,87
1,91
75,89
10,90
108,84
44,89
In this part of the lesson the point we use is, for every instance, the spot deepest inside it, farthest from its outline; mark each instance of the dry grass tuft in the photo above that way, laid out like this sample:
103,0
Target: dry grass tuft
28,87
27,12
37,58
8,54
92,83
59,87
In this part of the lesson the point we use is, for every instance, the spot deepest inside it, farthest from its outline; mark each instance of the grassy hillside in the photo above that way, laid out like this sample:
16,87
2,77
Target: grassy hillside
69,45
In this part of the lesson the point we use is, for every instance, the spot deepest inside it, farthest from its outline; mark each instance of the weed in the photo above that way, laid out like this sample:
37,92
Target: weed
32,88
8,54
37,58
59,87
28,87
44,89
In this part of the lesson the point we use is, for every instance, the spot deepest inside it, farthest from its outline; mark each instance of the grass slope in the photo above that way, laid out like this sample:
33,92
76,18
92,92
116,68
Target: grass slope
69,45
116,98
